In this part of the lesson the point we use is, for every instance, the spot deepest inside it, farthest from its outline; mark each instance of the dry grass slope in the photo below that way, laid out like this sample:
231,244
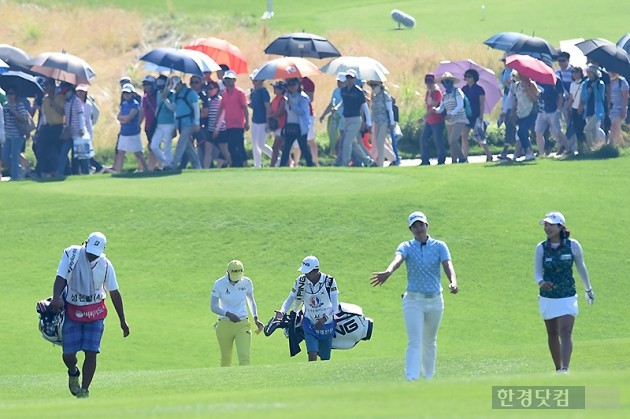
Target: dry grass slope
111,40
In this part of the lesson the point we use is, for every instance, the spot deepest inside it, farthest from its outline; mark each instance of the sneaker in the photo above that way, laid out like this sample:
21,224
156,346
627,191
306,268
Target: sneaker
83,393
529,157
73,382
562,371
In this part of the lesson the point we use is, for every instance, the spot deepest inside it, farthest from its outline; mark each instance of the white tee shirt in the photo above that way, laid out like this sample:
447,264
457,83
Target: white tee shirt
102,272
233,297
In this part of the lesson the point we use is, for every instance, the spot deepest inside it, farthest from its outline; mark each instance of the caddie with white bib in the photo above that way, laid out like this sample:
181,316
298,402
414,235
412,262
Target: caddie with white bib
318,292
84,277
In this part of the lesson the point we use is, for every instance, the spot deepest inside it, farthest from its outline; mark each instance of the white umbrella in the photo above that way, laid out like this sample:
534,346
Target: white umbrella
367,68
578,59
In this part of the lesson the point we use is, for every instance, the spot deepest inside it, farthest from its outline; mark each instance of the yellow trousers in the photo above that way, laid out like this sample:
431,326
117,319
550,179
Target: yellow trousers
229,333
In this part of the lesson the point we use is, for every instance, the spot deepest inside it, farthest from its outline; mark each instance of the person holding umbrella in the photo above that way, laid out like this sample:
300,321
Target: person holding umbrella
526,92
455,115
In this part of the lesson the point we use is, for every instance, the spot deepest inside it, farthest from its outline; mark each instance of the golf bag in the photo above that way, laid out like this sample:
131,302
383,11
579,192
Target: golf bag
50,324
351,327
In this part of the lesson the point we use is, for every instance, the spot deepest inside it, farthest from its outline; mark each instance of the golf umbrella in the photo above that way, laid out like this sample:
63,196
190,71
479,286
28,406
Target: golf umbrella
222,52
302,44
14,57
606,54
63,67
487,79
624,42
367,68
25,84
286,68
504,40
184,60
534,46
531,67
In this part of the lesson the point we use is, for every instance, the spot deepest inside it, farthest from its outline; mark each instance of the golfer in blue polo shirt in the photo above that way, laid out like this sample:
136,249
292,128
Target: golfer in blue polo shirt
422,302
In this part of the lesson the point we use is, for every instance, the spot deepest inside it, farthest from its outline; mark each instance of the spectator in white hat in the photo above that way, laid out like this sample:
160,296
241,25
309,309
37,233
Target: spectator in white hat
335,109
234,103
422,302
553,272
260,102
129,139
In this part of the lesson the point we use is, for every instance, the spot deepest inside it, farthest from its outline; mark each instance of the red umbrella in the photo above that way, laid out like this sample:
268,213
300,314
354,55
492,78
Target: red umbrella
222,52
286,68
531,67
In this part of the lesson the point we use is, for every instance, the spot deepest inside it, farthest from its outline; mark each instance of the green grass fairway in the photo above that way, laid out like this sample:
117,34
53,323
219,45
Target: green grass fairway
457,20
170,237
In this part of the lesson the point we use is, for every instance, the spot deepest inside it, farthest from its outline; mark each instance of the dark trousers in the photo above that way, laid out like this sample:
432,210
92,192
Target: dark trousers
47,148
236,145
438,136
286,149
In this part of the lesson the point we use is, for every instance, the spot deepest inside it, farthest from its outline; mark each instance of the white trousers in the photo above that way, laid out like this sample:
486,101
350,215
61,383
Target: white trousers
422,319
259,143
163,135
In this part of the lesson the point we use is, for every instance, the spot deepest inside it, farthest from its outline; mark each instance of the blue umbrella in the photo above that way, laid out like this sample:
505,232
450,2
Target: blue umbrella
624,42
25,84
504,40
184,60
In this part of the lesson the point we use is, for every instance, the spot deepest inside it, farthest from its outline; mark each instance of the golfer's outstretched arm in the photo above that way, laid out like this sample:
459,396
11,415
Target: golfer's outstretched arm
379,278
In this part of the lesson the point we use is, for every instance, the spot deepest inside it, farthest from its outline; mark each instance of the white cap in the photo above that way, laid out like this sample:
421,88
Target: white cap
128,87
95,243
229,75
341,76
148,79
553,217
308,264
417,216
351,73
251,76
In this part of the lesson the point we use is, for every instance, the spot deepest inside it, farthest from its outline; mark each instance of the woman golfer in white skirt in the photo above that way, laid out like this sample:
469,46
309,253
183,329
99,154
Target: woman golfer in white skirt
553,271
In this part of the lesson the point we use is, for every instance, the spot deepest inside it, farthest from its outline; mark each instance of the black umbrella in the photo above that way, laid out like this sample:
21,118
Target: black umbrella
606,54
504,40
25,84
15,57
624,42
535,47
302,44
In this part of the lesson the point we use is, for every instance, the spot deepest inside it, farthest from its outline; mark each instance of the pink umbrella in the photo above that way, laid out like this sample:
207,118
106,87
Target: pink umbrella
531,67
487,79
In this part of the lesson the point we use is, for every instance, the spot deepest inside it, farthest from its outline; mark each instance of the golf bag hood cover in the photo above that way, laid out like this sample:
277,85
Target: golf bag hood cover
50,324
351,327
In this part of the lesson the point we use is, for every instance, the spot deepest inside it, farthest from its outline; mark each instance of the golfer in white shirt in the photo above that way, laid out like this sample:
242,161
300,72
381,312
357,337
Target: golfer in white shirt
229,295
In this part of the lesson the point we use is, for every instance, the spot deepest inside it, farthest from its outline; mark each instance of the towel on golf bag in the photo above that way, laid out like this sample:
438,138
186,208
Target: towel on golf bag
351,327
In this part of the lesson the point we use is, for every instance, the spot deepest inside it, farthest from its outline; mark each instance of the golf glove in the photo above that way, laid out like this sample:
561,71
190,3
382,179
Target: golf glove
590,296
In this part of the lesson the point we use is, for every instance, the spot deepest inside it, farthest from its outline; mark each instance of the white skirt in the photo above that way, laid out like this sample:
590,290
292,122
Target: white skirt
550,308
130,143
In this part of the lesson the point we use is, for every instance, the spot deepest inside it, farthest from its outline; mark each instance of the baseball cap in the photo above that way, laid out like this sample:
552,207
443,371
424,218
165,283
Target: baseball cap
308,264
235,270
417,216
224,67
175,80
341,76
351,73
148,79
229,75
553,217
429,78
124,80
95,243
128,87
